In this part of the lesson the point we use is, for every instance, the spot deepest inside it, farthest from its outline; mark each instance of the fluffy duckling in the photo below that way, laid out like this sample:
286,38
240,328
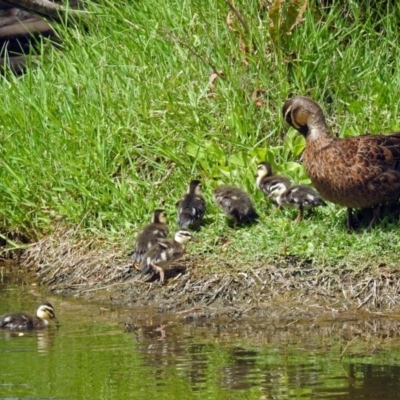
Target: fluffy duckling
192,206
165,252
355,172
298,196
150,234
265,178
24,321
235,203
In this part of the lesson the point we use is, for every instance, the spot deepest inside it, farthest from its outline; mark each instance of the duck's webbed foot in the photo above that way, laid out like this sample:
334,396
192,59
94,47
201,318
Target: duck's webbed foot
159,270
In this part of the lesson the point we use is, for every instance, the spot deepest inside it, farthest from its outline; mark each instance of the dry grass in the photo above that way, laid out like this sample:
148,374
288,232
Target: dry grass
296,288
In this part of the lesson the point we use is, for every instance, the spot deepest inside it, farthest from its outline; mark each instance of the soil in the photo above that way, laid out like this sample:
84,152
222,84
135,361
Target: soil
289,288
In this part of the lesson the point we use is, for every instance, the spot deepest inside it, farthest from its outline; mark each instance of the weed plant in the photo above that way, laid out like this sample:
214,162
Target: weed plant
120,116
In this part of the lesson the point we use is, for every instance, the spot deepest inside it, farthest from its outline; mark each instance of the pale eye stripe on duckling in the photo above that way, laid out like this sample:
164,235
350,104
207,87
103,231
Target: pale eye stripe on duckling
164,253
24,321
48,309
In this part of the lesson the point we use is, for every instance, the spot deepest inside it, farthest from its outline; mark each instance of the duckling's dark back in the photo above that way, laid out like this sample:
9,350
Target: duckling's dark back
236,203
304,196
191,207
17,320
150,234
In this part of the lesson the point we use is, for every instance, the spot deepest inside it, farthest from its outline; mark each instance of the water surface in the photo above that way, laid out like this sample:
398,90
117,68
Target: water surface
100,351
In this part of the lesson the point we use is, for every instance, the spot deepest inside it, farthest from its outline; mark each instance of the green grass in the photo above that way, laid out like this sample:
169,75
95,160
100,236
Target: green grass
117,121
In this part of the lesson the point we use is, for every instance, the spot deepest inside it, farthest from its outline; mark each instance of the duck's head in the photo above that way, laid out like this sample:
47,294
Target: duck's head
264,169
183,236
159,217
46,311
195,187
302,114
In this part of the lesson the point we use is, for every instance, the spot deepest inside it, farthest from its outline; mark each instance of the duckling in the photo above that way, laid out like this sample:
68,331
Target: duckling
235,203
355,172
24,321
298,196
265,179
192,206
162,254
149,235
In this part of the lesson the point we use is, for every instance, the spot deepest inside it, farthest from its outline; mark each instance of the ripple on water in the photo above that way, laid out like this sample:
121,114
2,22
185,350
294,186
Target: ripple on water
93,354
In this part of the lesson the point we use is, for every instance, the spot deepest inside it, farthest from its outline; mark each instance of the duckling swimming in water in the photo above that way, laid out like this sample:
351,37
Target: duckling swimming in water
150,234
165,252
24,321
235,203
298,196
192,206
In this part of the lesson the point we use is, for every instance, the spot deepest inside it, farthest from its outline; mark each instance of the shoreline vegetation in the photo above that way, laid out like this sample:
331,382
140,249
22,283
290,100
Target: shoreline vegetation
115,122
289,287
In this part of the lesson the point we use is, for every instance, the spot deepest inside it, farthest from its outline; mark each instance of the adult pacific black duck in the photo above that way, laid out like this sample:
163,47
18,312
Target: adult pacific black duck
298,196
265,178
150,234
235,203
192,206
24,321
355,172
165,252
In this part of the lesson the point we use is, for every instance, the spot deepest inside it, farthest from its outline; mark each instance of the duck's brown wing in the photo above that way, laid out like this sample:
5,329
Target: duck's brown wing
377,162
361,171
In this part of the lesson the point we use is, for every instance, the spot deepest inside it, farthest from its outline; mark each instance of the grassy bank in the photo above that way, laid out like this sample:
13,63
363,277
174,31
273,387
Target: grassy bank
117,121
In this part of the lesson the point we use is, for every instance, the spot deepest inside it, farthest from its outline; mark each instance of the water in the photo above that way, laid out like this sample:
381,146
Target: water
102,352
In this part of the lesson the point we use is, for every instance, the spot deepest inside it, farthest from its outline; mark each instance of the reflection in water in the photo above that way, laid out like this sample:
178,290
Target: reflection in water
44,337
280,361
161,356
240,374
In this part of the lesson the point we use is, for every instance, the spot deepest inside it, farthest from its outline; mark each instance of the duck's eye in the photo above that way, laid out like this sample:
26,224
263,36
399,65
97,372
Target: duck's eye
288,115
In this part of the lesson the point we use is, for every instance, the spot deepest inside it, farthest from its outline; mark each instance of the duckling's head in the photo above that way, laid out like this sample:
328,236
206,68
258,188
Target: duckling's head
46,311
183,236
264,169
159,217
195,188
303,114
277,189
